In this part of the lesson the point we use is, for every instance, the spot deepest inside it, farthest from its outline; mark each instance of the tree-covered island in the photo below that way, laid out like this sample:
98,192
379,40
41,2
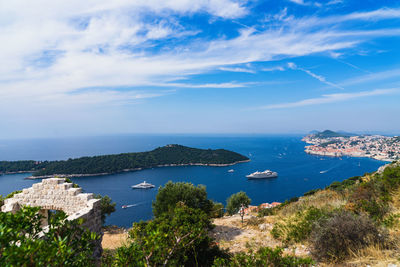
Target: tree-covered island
170,155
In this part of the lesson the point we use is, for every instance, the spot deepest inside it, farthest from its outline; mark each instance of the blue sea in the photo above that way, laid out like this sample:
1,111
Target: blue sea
298,171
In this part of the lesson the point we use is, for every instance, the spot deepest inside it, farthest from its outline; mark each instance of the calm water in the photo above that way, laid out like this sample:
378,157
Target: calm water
298,171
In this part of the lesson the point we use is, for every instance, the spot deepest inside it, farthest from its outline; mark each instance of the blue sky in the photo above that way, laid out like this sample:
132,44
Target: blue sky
71,68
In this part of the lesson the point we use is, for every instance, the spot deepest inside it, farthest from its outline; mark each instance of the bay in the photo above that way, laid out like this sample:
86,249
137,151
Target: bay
298,171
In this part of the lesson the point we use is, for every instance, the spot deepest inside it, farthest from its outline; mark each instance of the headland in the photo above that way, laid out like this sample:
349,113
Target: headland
329,143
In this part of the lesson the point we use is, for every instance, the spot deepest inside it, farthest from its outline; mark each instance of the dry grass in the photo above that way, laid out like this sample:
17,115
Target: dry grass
373,256
323,199
114,237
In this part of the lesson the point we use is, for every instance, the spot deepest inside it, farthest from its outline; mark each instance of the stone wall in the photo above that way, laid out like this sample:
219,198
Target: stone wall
56,194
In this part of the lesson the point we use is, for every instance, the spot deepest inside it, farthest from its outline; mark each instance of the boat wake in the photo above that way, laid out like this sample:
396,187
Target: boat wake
131,205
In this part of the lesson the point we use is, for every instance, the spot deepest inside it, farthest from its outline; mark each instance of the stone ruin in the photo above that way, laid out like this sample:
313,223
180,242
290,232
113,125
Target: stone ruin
56,194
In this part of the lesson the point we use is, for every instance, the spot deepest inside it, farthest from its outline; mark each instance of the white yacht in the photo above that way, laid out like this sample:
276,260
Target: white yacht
143,185
264,174
231,170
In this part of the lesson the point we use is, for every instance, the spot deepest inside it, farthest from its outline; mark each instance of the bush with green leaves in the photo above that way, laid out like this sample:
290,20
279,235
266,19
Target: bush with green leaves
172,193
265,212
265,256
175,238
24,243
236,201
217,210
335,237
298,228
106,206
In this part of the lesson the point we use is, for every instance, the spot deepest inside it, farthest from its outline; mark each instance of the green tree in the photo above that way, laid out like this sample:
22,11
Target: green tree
178,238
217,210
24,243
172,193
235,202
106,205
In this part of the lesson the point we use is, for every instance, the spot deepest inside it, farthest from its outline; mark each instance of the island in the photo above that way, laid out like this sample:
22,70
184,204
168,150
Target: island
169,155
336,144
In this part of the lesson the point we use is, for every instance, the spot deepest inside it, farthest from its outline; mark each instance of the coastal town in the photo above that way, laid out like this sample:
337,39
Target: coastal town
329,143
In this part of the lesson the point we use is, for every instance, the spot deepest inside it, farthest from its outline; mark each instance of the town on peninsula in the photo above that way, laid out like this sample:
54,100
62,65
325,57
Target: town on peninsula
335,144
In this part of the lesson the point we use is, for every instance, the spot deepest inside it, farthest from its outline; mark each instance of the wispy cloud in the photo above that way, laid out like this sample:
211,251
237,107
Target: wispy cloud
277,68
320,78
238,69
373,77
87,44
331,98
205,85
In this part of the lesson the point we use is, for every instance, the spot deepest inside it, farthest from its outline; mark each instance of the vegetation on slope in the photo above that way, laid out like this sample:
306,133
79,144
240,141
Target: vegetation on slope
329,133
167,155
346,220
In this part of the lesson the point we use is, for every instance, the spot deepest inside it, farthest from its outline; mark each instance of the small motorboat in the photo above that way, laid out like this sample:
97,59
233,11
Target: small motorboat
124,206
231,170
143,185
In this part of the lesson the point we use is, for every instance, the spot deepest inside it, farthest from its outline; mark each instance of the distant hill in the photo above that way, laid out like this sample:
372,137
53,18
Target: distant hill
329,133
167,155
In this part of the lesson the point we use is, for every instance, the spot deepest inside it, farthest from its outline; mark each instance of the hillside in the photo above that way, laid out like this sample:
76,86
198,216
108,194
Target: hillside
329,133
167,155
350,223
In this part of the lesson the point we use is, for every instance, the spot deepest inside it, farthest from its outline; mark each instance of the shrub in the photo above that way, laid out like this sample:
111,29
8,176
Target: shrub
179,238
333,238
254,221
217,210
172,193
106,206
345,184
369,198
298,228
265,212
311,192
24,243
235,201
263,257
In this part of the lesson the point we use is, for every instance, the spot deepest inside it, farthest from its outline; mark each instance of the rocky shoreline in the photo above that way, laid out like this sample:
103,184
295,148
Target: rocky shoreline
135,169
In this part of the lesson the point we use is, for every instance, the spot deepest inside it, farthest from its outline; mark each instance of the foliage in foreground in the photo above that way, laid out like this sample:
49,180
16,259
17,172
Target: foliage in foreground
177,238
22,242
263,257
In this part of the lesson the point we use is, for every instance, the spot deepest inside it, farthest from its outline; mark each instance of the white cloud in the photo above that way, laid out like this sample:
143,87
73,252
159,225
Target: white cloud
331,98
299,2
277,68
237,69
87,44
373,77
320,78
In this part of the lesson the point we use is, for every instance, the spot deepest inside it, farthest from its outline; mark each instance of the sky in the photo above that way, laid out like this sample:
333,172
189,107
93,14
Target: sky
99,67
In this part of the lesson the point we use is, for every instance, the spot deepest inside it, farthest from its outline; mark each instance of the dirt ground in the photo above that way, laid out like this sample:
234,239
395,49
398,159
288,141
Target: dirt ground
228,232
231,234
114,237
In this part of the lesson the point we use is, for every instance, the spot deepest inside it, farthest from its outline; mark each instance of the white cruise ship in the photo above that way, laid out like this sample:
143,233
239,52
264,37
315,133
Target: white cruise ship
264,174
143,185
